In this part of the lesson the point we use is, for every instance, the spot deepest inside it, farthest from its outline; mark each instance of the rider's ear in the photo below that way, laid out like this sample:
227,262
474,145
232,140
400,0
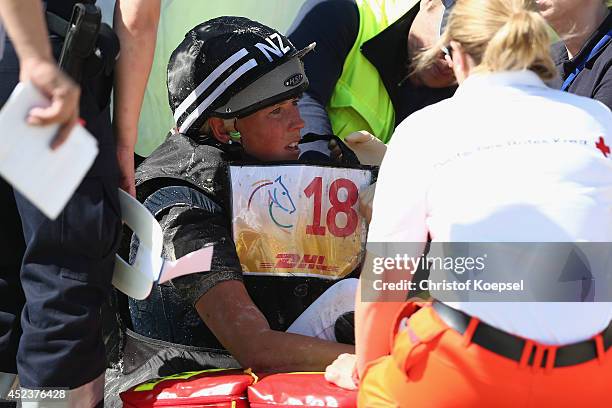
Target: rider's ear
218,130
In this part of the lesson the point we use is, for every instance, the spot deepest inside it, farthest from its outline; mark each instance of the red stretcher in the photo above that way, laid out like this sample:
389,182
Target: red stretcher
299,389
238,389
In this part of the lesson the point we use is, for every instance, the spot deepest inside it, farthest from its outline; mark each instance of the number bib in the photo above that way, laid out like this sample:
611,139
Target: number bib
298,220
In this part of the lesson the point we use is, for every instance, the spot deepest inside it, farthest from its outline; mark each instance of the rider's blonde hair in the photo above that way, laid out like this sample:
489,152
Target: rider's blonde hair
499,35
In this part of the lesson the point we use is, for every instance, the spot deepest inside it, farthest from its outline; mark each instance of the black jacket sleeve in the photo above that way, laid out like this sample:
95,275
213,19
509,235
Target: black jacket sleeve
333,25
189,227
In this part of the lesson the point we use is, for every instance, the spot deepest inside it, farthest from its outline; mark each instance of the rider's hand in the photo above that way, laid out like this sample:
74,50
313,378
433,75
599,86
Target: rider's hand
343,372
63,93
369,149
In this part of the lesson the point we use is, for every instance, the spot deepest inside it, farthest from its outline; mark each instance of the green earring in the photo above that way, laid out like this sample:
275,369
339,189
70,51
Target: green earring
230,126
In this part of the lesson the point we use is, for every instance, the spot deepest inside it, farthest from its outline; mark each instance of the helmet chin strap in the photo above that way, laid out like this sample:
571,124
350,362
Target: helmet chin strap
230,126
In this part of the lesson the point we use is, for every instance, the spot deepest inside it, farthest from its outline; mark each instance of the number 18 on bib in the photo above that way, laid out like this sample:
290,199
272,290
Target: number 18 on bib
298,220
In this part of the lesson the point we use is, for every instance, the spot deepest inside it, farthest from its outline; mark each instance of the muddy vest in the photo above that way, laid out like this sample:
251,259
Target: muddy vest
360,100
205,165
187,161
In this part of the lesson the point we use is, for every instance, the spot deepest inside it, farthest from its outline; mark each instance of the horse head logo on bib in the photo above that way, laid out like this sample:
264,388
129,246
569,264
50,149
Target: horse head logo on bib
279,201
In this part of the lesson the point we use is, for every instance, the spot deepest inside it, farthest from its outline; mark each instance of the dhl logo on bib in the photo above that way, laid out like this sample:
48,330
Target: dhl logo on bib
298,220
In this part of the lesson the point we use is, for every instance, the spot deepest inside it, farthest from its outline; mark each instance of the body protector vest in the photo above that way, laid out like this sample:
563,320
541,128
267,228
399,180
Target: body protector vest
265,206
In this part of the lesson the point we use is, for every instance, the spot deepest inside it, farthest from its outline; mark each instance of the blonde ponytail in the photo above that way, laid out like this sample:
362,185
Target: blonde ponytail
521,43
499,35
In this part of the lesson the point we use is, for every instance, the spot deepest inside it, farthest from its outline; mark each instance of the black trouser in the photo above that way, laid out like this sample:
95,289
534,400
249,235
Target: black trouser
52,287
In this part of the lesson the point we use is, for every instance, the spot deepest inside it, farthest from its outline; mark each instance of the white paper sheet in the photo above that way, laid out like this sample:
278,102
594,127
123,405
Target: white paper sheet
45,177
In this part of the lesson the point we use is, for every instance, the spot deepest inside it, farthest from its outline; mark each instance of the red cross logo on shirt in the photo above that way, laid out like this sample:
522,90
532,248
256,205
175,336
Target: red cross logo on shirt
601,145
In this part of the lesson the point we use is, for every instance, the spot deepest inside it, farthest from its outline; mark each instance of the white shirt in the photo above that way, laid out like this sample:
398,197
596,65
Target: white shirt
506,159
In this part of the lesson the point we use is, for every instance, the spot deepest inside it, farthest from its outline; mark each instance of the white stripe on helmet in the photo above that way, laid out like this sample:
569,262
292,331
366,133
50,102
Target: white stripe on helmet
212,77
193,116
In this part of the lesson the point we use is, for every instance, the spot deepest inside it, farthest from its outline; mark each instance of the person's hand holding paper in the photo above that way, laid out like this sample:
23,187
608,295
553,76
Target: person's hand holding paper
62,92
46,177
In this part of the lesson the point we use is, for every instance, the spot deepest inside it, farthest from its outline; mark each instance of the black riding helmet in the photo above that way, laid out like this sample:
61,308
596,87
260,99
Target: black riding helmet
230,67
